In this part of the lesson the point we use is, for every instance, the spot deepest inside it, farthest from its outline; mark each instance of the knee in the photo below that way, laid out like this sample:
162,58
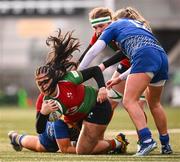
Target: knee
87,146
154,105
126,103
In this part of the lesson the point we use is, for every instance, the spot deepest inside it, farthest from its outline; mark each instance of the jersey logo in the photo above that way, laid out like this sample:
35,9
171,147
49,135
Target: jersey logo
90,115
69,95
75,74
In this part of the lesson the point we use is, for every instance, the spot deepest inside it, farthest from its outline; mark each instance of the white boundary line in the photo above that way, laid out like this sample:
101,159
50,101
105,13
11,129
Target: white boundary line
133,132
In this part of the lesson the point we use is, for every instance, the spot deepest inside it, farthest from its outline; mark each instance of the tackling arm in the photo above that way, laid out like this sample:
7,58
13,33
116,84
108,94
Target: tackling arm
114,59
91,54
94,72
124,75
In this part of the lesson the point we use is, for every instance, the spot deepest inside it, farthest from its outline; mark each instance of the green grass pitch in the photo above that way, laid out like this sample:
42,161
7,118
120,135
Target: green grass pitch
23,120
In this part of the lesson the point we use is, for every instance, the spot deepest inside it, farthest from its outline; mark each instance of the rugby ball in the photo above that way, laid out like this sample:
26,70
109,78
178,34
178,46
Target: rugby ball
114,95
56,115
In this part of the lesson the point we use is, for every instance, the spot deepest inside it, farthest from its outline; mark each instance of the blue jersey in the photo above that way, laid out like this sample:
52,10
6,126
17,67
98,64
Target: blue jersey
140,45
131,35
54,130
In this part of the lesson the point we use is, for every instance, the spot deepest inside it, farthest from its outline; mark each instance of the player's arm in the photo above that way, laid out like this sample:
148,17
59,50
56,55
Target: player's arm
41,121
93,40
79,77
124,75
92,53
123,65
41,118
63,135
118,56
65,146
96,73
47,107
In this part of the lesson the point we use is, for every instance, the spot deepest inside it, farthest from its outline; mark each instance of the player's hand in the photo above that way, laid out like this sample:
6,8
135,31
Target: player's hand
49,106
102,67
102,95
112,82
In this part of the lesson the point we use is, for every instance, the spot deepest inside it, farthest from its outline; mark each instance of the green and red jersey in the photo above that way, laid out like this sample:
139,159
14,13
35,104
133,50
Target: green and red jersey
76,99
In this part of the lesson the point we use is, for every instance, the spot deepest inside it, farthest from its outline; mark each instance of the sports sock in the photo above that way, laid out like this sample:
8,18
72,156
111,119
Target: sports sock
144,135
164,139
114,143
19,138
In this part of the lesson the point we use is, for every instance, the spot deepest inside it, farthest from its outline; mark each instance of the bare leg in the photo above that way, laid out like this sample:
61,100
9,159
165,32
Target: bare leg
19,141
153,95
32,143
133,91
89,139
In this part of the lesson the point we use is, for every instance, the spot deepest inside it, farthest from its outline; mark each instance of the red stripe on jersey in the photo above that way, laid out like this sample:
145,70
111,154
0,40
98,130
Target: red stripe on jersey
125,62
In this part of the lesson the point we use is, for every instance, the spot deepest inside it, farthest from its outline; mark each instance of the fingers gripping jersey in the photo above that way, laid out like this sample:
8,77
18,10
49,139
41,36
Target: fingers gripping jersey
76,99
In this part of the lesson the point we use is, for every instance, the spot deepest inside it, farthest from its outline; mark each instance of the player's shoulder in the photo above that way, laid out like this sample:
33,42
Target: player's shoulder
70,74
73,77
120,21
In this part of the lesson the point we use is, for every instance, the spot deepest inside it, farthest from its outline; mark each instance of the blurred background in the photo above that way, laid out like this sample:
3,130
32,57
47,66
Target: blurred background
25,24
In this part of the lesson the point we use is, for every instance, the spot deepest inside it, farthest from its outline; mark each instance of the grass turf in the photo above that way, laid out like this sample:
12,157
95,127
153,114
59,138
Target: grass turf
23,120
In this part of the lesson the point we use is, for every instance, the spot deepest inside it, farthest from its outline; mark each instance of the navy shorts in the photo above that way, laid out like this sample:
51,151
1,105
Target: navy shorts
101,113
152,60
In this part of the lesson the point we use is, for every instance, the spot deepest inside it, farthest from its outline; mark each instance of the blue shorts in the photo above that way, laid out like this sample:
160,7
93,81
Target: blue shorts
49,144
54,130
152,60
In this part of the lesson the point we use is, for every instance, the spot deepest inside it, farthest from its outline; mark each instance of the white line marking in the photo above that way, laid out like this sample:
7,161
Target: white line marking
133,132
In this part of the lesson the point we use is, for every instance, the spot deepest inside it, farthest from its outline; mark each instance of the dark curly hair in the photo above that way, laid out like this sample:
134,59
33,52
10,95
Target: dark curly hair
58,61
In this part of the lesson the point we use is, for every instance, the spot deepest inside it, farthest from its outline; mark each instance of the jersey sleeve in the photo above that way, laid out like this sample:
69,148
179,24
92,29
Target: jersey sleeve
123,65
39,102
60,129
125,62
107,35
93,39
74,76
